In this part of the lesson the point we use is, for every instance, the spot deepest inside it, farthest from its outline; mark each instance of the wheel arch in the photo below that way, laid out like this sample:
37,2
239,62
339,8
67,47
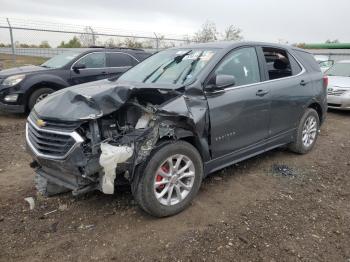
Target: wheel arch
317,107
189,136
42,84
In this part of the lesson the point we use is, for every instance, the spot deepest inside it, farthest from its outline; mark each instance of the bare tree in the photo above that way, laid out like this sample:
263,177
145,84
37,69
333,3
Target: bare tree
89,37
232,34
132,43
111,42
207,33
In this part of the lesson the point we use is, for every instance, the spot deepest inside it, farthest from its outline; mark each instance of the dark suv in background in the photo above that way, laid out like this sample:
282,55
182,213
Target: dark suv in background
175,118
22,87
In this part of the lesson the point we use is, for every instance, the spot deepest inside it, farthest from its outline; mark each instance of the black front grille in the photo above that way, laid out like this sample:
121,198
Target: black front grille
56,124
48,143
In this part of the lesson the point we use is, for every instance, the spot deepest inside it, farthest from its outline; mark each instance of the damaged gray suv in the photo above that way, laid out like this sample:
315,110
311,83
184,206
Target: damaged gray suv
174,118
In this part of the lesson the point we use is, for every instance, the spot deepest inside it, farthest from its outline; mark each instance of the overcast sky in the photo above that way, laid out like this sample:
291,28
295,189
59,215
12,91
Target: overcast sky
261,20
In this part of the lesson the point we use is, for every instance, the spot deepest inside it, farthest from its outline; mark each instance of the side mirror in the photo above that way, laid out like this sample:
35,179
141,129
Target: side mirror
78,66
222,81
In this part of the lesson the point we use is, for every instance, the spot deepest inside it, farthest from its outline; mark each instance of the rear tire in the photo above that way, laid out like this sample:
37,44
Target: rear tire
38,95
181,181
307,132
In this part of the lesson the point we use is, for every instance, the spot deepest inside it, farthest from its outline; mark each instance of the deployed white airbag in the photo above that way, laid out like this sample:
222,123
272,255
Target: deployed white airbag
110,157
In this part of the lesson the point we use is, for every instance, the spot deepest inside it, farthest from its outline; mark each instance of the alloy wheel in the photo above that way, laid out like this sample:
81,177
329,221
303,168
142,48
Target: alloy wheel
174,180
309,131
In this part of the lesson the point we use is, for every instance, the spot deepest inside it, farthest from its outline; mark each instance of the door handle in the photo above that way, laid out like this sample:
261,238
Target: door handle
262,92
303,83
103,73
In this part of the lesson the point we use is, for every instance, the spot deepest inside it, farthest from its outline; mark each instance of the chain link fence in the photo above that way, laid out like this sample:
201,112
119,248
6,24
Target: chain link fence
19,37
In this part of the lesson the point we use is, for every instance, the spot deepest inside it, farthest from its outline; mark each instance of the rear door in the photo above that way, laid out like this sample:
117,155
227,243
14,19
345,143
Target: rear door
119,62
289,87
239,114
95,68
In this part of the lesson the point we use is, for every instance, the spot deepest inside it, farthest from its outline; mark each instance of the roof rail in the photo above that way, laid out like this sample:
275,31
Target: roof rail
106,47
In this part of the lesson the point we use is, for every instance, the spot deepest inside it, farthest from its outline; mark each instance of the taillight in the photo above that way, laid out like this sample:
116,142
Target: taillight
325,81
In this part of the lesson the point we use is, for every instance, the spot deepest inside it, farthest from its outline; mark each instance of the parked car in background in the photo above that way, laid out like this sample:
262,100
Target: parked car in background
22,87
338,92
324,62
175,118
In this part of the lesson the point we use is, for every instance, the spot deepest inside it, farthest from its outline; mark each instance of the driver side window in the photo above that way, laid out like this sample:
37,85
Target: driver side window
94,60
242,64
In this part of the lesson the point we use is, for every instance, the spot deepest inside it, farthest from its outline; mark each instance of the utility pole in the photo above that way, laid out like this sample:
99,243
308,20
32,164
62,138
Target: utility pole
93,35
12,43
157,41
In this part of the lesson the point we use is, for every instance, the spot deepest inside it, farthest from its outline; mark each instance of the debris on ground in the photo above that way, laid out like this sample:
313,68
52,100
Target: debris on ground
62,207
283,170
87,227
48,213
31,202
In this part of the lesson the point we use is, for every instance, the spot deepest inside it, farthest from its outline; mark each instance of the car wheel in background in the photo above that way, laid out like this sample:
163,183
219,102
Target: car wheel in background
38,95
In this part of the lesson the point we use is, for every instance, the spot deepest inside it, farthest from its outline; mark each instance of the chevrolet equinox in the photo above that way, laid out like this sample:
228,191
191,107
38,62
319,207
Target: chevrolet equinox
176,117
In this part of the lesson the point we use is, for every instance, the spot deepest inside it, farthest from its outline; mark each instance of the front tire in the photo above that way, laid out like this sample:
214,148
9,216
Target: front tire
170,180
307,132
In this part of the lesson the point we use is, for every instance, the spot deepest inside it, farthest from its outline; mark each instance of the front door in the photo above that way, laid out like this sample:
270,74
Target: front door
239,114
95,68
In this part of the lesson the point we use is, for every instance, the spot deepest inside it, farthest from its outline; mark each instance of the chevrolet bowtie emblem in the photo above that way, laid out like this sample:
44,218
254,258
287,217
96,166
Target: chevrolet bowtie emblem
40,123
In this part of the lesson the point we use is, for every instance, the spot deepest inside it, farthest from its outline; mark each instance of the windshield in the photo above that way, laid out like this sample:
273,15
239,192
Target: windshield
170,67
340,69
60,60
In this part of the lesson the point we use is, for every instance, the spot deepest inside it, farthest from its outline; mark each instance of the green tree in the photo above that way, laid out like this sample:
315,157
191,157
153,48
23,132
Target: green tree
44,44
336,41
73,43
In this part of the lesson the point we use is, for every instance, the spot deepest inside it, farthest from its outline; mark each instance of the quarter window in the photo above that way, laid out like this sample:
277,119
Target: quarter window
242,64
296,69
94,60
278,64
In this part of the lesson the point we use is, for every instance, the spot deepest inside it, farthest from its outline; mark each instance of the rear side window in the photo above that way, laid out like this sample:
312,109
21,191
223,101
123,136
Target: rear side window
278,63
308,60
120,60
142,56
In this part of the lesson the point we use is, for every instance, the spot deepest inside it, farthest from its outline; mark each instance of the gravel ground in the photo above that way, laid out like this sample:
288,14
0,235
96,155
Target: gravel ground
275,207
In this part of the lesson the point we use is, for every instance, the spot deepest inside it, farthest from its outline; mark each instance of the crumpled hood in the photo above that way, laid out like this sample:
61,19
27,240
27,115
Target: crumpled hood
89,101
21,70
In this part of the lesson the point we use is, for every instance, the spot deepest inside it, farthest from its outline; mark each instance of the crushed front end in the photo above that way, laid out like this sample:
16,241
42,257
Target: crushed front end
94,137
92,154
